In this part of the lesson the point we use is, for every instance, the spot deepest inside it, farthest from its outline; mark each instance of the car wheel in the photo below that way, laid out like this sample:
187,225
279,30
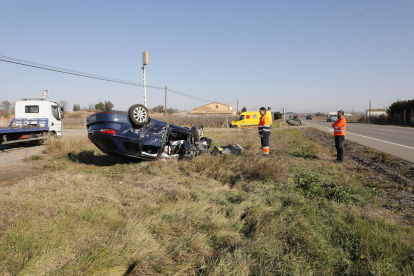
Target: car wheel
138,115
235,127
197,131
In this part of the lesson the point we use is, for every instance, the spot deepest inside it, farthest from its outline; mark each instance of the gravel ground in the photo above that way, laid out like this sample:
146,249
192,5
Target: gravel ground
12,156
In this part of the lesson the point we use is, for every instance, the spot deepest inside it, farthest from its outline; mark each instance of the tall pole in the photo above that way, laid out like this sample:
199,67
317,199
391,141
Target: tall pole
144,89
369,112
165,107
237,112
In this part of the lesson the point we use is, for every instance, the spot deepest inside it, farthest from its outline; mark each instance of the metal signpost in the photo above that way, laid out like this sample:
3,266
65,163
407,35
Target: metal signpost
283,111
144,62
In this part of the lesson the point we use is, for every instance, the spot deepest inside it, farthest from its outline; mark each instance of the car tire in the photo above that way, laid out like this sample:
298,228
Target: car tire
235,127
197,131
138,115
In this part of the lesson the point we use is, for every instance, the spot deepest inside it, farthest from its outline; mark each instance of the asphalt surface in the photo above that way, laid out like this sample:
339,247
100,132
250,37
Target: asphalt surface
398,141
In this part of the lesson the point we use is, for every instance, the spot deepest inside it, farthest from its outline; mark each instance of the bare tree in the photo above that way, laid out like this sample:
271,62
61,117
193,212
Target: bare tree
13,108
5,108
64,104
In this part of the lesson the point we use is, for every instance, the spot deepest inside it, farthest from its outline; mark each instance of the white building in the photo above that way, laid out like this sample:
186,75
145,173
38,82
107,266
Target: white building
376,112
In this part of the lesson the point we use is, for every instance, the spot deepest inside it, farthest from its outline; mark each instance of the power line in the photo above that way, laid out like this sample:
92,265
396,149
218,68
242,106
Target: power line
87,75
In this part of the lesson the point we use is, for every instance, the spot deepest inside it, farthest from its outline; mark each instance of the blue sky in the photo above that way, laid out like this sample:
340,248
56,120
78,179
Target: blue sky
306,56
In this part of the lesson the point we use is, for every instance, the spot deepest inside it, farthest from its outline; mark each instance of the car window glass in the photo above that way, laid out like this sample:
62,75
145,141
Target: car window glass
241,118
55,112
31,109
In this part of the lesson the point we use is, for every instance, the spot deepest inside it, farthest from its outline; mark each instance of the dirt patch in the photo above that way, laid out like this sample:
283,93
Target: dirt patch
15,159
379,171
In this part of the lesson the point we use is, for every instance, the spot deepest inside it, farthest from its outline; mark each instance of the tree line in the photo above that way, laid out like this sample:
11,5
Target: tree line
401,112
160,109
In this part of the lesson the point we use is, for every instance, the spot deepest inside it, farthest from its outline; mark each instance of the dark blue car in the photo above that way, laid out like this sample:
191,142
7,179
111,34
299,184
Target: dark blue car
134,134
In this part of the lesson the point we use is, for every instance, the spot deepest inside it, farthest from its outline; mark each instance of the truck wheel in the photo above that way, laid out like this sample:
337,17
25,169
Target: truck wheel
138,115
197,131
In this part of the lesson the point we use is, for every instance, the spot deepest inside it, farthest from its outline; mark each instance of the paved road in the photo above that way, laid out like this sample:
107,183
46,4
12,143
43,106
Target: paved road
398,141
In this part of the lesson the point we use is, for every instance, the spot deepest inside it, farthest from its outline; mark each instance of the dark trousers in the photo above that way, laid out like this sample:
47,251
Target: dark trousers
265,141
339,145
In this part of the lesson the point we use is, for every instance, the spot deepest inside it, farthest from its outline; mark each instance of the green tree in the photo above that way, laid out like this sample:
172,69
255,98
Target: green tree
244,109
100,106
277,115
76,107
108,105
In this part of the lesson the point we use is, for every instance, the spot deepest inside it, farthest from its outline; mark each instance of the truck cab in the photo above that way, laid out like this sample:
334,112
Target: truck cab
34,109
332,118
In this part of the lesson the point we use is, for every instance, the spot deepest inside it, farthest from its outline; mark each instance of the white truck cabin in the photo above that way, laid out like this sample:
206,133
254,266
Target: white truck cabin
34,109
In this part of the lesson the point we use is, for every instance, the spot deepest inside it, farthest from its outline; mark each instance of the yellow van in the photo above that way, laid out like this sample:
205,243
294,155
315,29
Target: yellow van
249,119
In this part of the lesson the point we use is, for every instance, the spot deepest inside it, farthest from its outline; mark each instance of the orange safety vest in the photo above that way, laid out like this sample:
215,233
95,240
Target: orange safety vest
264,124
339,127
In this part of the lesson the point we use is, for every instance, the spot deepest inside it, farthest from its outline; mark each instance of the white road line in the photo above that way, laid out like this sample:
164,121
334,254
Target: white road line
371,138
382,141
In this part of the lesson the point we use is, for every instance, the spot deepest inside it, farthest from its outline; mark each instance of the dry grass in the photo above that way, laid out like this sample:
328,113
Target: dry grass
79,114
90,214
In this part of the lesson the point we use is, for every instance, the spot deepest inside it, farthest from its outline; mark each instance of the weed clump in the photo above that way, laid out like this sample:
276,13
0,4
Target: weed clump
305,151
312,187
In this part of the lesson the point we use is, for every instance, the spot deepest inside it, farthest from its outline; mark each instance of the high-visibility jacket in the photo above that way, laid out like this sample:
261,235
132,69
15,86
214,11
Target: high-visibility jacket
264,124
339,127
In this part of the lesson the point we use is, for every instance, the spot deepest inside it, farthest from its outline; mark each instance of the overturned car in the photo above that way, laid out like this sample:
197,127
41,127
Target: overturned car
134,134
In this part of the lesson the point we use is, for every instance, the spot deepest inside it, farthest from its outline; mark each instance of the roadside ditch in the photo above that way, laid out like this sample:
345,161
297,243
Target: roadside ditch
391,177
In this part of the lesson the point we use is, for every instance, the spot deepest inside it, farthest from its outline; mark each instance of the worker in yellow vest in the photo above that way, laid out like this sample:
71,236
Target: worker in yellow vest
264,131
339,133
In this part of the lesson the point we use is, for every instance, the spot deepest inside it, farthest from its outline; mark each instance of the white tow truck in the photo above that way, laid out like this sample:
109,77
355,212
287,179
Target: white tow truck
35,120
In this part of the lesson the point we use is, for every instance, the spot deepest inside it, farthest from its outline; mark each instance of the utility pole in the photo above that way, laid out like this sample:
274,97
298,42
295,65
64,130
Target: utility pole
144,62
237,112
165,107
369,111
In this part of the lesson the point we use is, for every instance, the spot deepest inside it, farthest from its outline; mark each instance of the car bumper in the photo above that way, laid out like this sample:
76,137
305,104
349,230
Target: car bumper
130,147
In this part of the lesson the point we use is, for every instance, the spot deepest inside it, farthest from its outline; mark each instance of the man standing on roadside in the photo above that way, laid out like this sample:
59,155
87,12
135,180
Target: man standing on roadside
339,132
264,131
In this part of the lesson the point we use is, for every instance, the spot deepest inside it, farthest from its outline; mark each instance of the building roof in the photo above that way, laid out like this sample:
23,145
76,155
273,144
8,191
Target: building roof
208,108
383,109
214,103
215,111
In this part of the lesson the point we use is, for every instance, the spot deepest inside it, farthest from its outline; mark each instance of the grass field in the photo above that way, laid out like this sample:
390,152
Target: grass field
295,213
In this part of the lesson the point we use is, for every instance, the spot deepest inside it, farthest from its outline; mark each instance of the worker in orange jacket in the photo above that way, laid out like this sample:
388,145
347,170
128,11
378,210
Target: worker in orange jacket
340,132
264,131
